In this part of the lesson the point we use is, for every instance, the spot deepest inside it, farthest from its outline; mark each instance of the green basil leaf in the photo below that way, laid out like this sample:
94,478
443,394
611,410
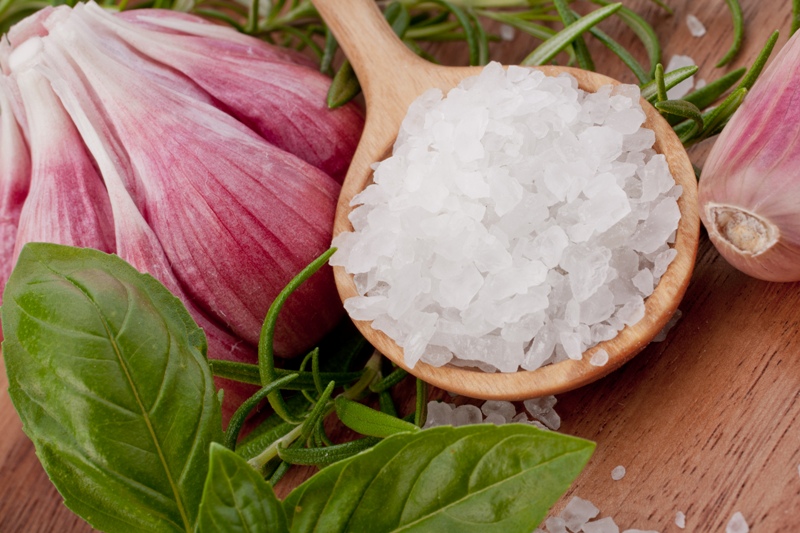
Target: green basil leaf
370,422
109,376
468,478
237,499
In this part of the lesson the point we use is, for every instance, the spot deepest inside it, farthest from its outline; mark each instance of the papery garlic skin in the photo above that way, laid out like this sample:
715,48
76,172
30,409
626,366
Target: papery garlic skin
67,202
288,110
749,189
15,173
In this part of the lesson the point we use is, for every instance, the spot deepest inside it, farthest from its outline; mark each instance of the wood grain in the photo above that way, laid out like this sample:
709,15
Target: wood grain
706,422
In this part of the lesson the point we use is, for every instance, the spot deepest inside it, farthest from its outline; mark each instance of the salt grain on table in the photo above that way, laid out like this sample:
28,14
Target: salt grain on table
577,512
604,525
682,89
696,28
618,473
505,230
680,520
737,524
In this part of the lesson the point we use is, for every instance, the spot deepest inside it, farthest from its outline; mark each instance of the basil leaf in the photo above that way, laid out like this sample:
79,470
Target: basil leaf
236,498
109,376
464,479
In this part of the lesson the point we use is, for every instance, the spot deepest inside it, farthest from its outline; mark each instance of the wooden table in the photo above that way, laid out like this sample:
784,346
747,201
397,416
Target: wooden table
706,422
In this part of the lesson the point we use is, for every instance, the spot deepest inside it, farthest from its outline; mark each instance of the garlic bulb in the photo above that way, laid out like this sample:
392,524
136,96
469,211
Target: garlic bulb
202,156
750,185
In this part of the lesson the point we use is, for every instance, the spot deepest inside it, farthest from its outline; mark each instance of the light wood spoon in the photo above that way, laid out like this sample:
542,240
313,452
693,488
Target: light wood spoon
391,77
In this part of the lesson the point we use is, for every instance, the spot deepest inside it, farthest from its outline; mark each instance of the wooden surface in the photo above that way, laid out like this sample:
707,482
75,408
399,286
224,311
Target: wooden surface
706,422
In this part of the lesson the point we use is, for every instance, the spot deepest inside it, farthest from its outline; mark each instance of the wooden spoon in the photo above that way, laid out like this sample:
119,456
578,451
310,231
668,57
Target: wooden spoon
391,77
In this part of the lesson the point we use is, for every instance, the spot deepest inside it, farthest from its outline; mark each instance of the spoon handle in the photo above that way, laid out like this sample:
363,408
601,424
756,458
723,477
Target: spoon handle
375,52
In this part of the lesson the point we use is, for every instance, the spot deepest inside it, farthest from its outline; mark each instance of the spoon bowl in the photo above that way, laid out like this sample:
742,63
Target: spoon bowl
392,77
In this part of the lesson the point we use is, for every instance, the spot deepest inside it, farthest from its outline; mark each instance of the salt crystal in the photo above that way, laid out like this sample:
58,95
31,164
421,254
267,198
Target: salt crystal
680,520
578,512
682,89
542,410
495,418
465,415
439,414
696,28
618,473
662,335
507,32
604,525
599,358
505,409
505,229
555,524
643,280
737,524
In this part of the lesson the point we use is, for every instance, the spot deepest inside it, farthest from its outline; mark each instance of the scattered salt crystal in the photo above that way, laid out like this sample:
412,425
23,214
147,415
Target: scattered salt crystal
682,89
507,32
505,409
542,410
439,414
737,524
555,524
618,473
505,229
578,512
604,525
696,28
680,520
599,358
467,414
662,335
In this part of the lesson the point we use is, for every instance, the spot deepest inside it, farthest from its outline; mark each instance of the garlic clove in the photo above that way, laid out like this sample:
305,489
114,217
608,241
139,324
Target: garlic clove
67,202
289,108
750,185
236,217
135,240
198,32
15,172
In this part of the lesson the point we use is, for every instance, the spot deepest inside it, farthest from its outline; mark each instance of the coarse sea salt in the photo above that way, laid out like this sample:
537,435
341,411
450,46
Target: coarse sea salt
508,226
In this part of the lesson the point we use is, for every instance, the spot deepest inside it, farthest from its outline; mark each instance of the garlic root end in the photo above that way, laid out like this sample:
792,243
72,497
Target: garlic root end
744,230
